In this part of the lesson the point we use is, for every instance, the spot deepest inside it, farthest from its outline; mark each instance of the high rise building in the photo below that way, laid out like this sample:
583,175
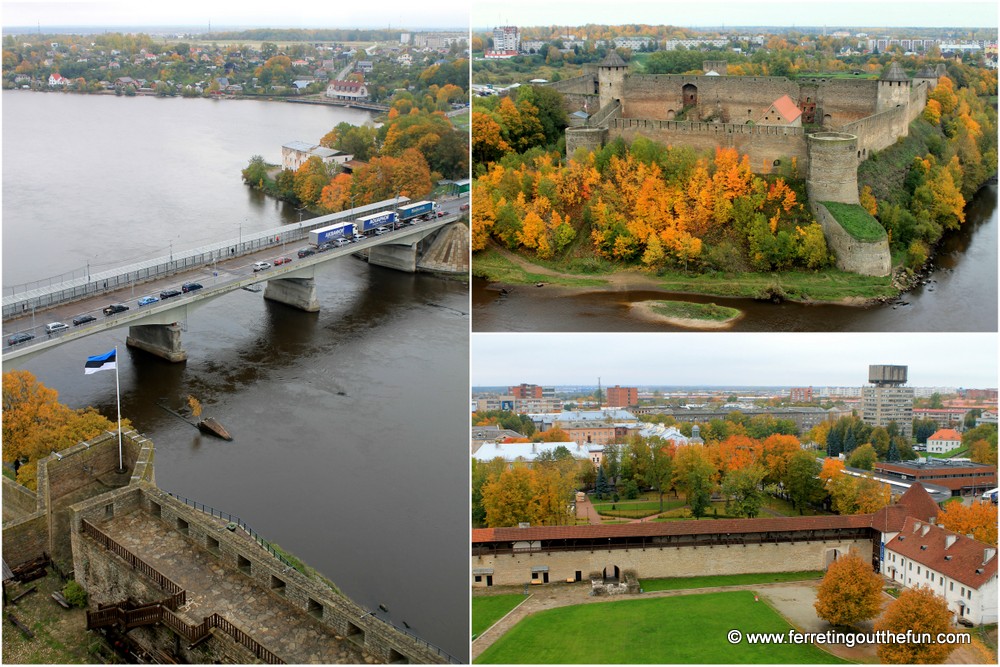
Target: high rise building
506,38
524,390
622,397
801,395
887,400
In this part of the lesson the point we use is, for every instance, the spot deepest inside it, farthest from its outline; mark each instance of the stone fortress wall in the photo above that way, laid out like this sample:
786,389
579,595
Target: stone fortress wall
724,112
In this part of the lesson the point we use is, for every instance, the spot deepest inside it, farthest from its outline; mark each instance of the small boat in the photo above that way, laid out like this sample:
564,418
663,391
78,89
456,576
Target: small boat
212,427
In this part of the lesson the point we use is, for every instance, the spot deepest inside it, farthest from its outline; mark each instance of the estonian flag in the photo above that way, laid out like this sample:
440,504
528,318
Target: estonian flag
102,362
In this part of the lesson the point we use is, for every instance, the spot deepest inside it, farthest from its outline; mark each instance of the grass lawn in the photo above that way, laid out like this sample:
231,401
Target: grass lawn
680,583
695,311
784,507
636,509
488,609
858,222
681,629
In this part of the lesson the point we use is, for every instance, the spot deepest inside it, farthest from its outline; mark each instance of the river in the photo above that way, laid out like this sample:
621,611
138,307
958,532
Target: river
350,425
961,296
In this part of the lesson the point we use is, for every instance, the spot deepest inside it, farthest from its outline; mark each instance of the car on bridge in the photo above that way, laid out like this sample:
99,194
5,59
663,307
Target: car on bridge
261,266
341,242
381,230
463,207
146,300
305,252
83,319
114,308
190,287
166,294
22,337
278,261
55,327
324,247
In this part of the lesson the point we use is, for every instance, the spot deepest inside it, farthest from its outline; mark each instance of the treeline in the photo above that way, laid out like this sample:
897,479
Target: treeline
647,205
919,188
406,156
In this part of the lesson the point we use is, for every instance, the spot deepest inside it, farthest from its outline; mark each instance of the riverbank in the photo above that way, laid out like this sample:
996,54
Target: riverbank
829,286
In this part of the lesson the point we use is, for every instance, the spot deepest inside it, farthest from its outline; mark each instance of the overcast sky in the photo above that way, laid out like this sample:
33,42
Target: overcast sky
249,13
729,358
880,13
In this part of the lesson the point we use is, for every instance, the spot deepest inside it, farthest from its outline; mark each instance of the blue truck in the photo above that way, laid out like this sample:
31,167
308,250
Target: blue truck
415,210
318,237
371,222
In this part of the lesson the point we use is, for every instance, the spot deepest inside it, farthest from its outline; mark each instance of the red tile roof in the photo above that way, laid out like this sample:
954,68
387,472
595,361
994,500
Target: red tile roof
927,544
786,107
919,503
665,528
946,434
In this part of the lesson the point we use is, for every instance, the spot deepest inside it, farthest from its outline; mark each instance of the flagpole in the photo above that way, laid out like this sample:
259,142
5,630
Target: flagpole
118,397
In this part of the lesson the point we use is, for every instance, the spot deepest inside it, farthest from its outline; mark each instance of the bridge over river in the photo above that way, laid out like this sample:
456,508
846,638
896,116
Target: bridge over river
219,268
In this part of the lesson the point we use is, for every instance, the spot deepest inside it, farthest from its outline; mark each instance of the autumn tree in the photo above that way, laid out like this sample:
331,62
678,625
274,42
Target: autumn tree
851,592
920,611
863,457
35,424
978,519
509,499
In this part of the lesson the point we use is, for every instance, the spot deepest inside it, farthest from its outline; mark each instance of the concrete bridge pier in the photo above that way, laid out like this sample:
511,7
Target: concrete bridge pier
392,256
163,340
296,292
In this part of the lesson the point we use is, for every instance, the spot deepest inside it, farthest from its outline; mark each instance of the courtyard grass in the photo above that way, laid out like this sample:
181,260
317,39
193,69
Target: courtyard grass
681,583
636,509
679,629
488,609
856,221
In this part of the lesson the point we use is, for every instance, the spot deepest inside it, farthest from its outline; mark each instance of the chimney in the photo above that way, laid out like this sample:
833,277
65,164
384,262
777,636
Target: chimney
988,555
950,540
932,520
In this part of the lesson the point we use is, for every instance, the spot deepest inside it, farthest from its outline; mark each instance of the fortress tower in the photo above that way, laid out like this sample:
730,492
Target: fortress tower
893,89
611,79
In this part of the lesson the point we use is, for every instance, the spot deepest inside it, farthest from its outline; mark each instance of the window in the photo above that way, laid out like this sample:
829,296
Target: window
479,578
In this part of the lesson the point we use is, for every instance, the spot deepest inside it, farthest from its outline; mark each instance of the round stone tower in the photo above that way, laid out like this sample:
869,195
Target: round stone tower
611,79
833,167
893,89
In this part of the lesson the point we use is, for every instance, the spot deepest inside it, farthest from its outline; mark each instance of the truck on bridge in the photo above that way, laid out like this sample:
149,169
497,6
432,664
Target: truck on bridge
370,223
416,210
318,237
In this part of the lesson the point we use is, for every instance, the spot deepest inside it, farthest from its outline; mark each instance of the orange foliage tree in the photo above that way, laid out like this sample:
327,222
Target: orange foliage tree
850,592
921,611
978,519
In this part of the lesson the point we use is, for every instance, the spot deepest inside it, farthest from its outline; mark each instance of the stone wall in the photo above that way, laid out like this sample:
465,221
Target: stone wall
18,499
25,539
765,144
863,257
515,570
879,131
833,167
240,558
588,138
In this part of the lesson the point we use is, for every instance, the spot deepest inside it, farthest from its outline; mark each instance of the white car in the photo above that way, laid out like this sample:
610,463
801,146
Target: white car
340,243
55,327
260,266
381,230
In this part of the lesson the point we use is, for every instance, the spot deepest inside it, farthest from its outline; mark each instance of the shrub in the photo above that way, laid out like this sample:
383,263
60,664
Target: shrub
74,594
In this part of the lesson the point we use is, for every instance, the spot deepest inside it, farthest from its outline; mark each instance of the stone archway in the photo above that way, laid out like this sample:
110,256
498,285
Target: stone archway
611,573
690,94
671,114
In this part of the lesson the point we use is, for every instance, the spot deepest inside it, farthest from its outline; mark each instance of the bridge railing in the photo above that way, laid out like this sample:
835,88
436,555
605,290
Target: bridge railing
25,298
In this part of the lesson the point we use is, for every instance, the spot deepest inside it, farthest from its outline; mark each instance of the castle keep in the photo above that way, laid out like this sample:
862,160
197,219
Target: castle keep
827,125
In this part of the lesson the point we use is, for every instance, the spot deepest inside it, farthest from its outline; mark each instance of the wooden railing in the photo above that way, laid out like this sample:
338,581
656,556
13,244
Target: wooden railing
163,611
177,595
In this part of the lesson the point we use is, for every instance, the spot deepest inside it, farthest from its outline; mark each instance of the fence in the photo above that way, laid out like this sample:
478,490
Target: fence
25,298
163,612
177,595
232,518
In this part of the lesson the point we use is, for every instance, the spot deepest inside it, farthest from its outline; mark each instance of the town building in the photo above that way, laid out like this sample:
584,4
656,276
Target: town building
957,568
506,38
622,397
801,395
527,452
943,441
348,91
296,153
525,390
963,478
945,417
887,400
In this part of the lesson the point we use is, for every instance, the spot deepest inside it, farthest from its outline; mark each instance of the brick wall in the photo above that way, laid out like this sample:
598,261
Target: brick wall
652,562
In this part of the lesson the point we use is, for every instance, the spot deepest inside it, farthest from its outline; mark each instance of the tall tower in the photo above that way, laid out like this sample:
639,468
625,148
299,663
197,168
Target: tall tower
893,89
611,79
887,400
